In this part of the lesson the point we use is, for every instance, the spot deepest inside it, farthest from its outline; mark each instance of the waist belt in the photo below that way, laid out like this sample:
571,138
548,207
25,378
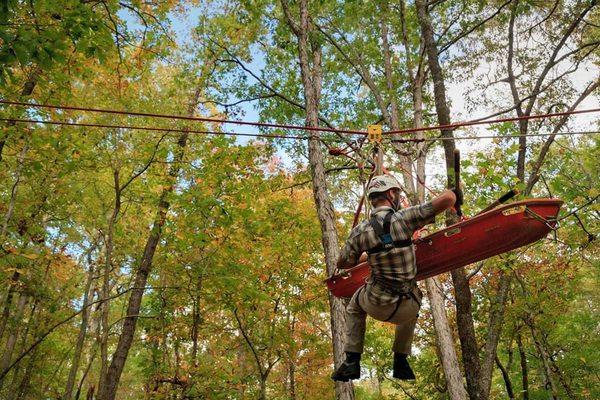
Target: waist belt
402,289
389,246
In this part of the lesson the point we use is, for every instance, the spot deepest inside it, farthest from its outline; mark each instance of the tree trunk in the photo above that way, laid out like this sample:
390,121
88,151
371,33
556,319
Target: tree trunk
562,380
445,344
82,333
405,160
466,333
108,389
464,315
11,340
85,374
309,56
292,379
445,341
23,389
13,192
506,377
12,288
524,368
108,266
14,281
196,318
494,331
541,349
263,388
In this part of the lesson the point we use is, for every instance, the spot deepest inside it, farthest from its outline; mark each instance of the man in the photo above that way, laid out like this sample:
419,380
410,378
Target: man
391,293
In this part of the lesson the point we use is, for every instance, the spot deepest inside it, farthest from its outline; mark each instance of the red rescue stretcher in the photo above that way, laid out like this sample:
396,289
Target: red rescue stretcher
485,235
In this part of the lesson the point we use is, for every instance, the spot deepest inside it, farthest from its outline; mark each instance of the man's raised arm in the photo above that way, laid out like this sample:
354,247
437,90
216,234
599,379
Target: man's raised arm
444,201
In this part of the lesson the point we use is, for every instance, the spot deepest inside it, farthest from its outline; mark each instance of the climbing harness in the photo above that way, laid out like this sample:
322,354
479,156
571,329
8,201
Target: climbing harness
383,231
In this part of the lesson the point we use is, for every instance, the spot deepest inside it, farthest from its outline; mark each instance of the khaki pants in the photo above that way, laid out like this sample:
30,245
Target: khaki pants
403,314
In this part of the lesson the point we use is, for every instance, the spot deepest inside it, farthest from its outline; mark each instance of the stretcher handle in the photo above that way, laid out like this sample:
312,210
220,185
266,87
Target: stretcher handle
503,199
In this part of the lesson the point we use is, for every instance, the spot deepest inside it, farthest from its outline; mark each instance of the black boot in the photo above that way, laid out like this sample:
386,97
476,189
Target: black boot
402,369
349,369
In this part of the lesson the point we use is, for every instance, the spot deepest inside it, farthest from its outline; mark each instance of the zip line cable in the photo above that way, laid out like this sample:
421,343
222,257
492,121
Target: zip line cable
297,127
411,140
264,135
491,121
150,128
183,117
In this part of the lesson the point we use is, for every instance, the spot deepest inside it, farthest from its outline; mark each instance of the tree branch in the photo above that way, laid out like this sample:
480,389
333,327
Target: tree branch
463,34
248,341
534,176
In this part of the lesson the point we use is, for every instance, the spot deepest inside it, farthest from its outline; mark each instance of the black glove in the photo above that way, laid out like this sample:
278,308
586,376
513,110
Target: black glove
459,196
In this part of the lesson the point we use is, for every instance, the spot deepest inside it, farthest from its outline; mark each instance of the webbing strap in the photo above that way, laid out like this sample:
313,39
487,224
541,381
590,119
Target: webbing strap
383,231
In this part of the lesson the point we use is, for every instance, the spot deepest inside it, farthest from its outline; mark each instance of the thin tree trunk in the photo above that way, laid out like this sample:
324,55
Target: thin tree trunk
85,374
541,349
524,368
405,160
292,379
506,377
11,340
12,288
445,344
464,315
496,320
108,266
82,331
14,281
309,56
196,319
108,389
15,186
561,378
445,341
23,389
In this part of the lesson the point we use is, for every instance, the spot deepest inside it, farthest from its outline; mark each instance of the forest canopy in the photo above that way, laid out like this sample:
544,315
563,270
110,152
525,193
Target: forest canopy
152,248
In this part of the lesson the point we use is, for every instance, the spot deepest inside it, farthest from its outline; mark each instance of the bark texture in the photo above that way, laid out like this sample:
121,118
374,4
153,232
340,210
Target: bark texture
445,343
309,57
444,339
464,316
88,292
108,388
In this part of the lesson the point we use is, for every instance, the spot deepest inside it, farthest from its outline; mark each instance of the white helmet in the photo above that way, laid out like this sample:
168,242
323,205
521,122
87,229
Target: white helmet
381,183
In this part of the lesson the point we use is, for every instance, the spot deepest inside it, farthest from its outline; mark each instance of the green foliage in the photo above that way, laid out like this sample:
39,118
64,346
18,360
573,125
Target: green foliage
235,307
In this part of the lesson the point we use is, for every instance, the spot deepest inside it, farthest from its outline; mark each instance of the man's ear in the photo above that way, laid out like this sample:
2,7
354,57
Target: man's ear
389,195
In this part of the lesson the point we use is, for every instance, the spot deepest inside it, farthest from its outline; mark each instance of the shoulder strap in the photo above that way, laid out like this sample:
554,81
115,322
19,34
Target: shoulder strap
383,231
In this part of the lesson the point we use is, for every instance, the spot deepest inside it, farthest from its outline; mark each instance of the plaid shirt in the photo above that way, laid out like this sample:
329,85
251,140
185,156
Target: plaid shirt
396,266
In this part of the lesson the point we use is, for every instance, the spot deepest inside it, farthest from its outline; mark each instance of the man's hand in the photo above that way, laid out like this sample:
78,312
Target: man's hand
363,257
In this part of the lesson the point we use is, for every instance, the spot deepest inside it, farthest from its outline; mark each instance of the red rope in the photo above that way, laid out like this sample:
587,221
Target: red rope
305,128
490,121
149,128
183,117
